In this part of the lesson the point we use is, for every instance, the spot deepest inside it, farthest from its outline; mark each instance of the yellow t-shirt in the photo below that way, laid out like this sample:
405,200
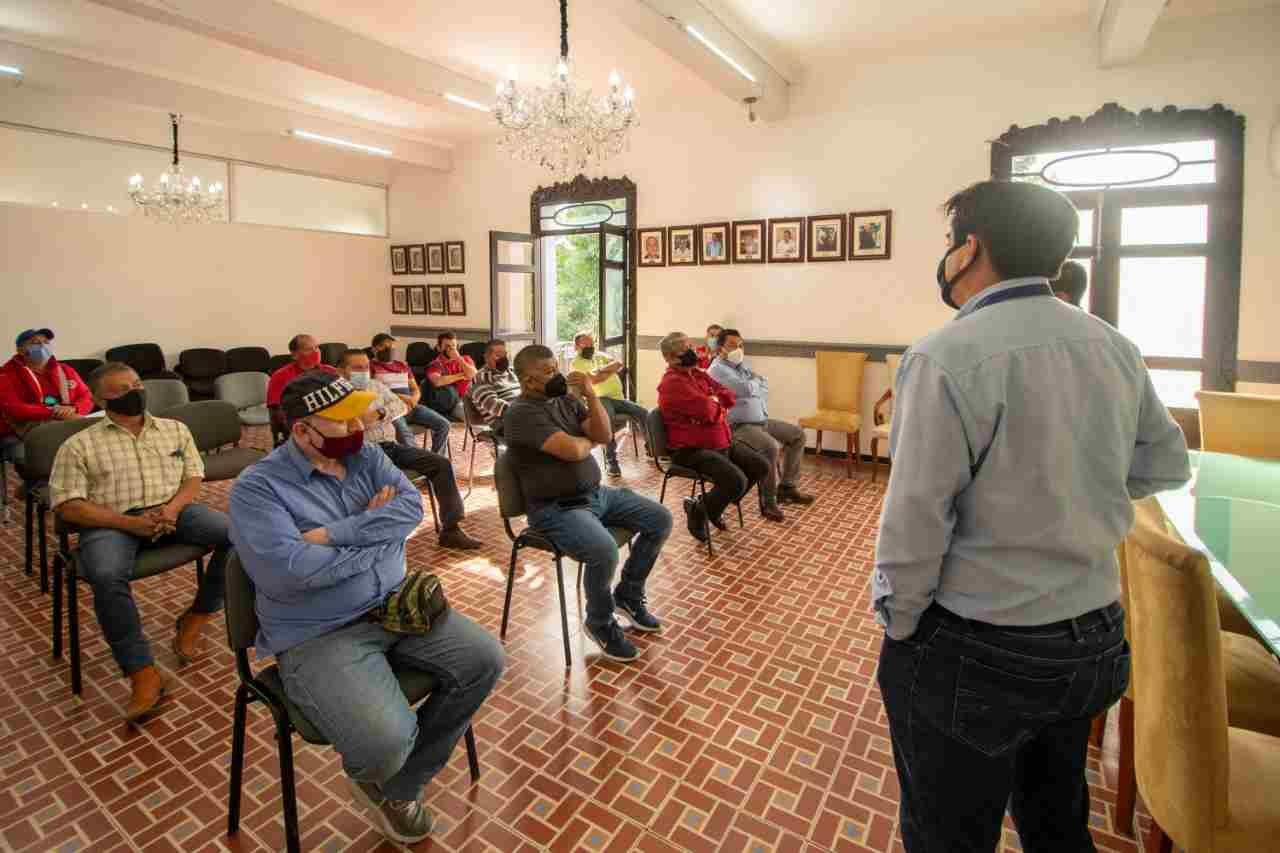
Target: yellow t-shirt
611,387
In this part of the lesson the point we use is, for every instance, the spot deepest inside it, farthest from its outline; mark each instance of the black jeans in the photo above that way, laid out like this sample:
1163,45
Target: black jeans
734,471
983,716
439,473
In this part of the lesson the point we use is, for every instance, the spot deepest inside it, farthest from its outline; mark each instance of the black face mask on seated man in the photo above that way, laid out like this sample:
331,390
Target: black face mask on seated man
588,353
502,364
688,358
130,404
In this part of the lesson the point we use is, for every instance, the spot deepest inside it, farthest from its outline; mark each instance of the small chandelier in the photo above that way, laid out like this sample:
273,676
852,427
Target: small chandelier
177,199
561,127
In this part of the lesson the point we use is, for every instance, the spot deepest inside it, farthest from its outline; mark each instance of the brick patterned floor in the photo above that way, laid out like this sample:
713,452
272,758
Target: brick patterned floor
751,724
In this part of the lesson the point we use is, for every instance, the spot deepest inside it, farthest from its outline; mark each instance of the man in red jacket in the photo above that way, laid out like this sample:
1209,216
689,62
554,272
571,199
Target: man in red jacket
35,387
693,407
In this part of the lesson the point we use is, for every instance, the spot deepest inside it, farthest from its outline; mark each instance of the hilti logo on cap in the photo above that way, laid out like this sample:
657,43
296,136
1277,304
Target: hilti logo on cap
323,398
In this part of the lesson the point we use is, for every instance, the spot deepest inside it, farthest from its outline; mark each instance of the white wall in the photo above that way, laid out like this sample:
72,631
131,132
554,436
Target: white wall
900,135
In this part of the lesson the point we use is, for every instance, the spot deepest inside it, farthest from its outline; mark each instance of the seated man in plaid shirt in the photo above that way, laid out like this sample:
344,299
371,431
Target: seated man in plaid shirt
128,481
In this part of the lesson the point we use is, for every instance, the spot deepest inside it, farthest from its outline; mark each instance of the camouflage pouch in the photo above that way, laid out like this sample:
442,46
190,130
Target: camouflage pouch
417,606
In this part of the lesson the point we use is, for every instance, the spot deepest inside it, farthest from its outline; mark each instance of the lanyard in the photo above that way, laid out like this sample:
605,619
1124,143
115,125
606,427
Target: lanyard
1040,288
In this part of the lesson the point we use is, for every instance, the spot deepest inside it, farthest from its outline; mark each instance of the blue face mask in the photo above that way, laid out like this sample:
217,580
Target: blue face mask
360,379
38,353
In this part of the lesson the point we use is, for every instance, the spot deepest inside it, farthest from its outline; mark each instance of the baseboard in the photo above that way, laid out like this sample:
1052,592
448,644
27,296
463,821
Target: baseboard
840,454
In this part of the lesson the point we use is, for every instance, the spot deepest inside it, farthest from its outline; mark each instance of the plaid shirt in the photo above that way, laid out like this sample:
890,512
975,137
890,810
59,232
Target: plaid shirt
393,406
107,465
493,390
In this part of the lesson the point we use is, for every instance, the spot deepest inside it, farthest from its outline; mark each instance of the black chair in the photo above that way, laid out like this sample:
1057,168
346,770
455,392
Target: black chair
214,424
152,560
479,432
199,368
511,504
474,349
83,366
146,359
266,687
248,360
40,447
331,352
277,362
657,439
418,356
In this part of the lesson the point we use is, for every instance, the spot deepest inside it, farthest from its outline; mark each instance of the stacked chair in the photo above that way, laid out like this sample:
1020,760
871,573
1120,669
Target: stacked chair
146,359
199,368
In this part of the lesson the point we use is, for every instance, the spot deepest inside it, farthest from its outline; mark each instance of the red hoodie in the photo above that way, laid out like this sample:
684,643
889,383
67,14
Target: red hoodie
28,396
693,407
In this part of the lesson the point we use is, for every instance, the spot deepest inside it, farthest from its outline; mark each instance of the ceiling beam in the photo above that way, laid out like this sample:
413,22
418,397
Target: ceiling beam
1122,28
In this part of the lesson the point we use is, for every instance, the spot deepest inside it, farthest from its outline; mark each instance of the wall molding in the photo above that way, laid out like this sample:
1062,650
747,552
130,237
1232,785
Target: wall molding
1258,371
795,349
432,331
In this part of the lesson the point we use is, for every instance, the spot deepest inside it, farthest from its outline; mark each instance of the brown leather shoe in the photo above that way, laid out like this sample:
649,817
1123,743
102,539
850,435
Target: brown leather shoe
457,538
187,643
147,690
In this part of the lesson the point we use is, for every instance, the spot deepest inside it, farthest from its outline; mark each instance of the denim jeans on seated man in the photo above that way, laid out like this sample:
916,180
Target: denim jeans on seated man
432,420
107,557
626,409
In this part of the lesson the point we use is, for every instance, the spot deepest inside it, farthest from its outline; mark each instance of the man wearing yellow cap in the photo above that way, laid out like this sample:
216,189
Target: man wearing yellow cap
320,526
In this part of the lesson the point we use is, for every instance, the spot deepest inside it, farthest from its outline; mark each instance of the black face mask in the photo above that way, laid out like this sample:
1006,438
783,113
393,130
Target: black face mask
945,285
558,386
588,353
384,354
688,358
502,365
131,404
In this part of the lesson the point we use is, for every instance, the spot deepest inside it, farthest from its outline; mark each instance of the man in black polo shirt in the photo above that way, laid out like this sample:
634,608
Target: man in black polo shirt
550,434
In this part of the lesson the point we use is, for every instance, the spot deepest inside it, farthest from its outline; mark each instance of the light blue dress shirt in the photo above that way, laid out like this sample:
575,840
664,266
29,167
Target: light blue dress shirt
306,590
1022,431
752,390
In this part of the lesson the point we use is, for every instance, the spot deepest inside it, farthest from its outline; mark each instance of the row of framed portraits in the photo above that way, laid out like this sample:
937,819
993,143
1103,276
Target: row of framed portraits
421,258
862,236
441,299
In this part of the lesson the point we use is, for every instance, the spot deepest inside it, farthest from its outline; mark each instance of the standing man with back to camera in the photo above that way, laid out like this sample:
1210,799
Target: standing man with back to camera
1025,429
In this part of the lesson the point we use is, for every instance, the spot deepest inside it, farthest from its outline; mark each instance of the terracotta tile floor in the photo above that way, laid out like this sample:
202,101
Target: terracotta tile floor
752,723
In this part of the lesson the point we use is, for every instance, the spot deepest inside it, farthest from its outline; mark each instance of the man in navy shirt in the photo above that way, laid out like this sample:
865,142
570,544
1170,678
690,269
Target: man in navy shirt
320,526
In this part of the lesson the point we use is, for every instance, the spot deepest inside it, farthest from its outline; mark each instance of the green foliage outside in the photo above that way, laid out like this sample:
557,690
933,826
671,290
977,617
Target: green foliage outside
577,286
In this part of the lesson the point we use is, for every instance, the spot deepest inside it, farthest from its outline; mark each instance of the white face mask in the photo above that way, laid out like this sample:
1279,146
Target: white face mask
736,356
360,379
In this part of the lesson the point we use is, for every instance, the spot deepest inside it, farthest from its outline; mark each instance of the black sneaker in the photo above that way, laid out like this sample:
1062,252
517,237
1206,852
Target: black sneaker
636,610
612,642
615,470
696,518
792,495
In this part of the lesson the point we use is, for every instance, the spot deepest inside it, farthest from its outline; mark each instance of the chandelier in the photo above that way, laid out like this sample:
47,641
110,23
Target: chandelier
175,198
561,127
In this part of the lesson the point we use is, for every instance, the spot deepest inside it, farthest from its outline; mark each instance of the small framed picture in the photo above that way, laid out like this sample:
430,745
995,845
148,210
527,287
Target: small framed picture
418,299
417,259
653,247
713,243
399,299
456,301
399,260
682,245
455,257
786,240
435,258
748,241
870,235
827,237
435,299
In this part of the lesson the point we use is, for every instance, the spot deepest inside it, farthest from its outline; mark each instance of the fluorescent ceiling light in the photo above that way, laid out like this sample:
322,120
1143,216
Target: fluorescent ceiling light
11,69
720,53
465,102
315,137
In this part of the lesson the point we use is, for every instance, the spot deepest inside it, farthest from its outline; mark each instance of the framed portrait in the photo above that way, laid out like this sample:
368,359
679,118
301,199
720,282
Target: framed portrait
399,260
713,243
786,240
653,247
418,299
417,259
748,241
456,300
826,237
435,299
682,248
455,256
435,258
399,299
870,235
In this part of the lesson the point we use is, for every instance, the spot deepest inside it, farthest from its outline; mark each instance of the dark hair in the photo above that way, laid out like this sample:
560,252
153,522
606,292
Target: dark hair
1025,229
580,335
100,373
444,336
1073,280
348,354
380,339
714,326
724,336
527,356
496,342
296,342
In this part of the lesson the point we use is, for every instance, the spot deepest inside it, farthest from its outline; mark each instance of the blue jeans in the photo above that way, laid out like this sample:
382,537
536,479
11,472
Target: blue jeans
432,420
987,716
627,409
344,683
106,562
581,533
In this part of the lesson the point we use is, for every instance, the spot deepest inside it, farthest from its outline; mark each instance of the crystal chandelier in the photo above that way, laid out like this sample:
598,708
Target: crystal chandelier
175,198
561,127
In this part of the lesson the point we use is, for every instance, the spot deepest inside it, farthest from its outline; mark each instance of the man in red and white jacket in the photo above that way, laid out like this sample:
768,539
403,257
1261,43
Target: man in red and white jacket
693,407
35,387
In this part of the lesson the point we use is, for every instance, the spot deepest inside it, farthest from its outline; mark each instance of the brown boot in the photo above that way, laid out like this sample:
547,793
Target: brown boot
186,638
147,690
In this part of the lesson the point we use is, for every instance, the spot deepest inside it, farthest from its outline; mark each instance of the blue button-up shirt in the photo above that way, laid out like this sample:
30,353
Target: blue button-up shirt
306,590
1022,432
752,390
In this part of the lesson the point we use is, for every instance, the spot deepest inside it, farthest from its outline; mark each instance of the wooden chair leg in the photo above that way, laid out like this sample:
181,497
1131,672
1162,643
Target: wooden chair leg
848,454
857,450
237,760
564,612
875,457
817,450
1098,728
1127,781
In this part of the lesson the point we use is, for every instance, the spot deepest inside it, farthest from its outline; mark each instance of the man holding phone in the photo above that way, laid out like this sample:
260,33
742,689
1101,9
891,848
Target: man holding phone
550,434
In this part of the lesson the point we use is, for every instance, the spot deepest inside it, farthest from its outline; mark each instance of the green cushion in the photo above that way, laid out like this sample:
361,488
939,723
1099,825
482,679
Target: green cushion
163,558
227,464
